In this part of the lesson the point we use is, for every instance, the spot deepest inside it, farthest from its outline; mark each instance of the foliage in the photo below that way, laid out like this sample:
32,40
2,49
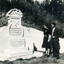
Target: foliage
34,13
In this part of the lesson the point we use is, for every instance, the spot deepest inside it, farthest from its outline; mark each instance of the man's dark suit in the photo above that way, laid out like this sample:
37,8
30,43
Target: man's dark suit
55,43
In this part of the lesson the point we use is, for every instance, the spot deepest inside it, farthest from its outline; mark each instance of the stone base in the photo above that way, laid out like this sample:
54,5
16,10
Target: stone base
13,54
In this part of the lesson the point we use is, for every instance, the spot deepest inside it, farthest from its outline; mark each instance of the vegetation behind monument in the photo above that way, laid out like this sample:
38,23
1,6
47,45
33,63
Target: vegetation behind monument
35,14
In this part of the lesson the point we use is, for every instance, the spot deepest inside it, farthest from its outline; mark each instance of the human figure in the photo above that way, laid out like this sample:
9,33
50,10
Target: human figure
55,40
45,41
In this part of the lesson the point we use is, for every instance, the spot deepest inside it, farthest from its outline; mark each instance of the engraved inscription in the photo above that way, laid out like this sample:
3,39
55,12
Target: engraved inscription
15,31
17,42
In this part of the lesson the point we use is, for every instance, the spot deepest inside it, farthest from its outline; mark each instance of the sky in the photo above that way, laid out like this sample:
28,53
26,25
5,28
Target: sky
39,0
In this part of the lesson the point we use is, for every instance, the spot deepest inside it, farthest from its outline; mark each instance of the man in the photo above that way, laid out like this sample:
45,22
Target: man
55,40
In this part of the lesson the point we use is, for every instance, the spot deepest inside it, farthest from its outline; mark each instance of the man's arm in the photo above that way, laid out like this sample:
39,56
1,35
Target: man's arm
57,33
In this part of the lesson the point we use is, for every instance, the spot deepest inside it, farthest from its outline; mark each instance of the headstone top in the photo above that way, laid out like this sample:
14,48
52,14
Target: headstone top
14,17
14,11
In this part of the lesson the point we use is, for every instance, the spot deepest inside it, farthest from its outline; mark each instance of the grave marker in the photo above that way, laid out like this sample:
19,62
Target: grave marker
12,41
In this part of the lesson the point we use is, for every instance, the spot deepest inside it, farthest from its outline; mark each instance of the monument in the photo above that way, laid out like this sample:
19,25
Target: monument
16,41
12,39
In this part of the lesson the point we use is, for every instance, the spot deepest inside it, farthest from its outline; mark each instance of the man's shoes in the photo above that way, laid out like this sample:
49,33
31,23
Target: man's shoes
58,59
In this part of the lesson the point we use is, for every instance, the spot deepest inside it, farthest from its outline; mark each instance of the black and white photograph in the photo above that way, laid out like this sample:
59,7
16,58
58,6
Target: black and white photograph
31,31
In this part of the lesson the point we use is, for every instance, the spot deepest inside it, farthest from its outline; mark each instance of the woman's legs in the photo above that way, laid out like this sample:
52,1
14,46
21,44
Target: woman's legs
48,52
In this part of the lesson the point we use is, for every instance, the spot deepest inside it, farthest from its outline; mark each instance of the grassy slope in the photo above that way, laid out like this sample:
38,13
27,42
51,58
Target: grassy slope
40,60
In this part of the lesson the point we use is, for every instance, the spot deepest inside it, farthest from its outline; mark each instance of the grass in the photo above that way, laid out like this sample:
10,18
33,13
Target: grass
40,60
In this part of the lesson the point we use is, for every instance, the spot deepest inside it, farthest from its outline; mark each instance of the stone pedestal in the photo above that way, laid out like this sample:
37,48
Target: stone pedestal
12,40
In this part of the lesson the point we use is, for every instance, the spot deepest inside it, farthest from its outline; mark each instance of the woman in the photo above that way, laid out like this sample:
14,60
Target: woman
46,43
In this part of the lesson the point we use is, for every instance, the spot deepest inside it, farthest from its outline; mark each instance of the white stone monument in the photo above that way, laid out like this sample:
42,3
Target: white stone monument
12,40
16,41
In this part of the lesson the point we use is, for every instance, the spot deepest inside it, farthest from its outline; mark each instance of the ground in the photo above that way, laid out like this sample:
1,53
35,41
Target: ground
40,60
